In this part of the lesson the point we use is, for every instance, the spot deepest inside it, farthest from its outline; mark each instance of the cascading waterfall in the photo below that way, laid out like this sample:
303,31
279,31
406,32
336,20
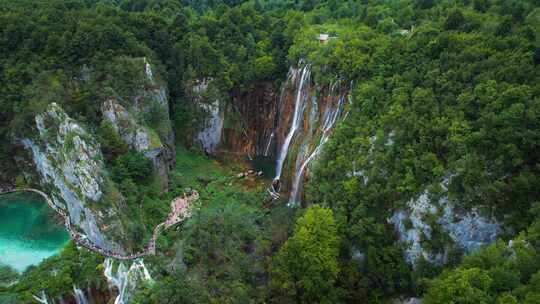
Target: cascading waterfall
80,298
125,280
42,298
297,118
316,112
330,117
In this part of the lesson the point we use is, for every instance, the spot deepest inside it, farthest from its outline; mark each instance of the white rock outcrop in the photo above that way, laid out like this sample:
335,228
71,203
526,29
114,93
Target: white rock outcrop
468,229
211,132
210,136
127,119
70,165
136,136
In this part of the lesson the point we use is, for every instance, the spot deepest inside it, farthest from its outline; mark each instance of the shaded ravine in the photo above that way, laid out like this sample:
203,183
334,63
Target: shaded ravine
179,212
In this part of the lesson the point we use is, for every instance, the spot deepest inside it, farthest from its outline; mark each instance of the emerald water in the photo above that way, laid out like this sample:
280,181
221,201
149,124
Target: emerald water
29,231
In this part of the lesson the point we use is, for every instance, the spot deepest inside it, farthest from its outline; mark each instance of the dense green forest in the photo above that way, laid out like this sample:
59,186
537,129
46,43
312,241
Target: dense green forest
441,91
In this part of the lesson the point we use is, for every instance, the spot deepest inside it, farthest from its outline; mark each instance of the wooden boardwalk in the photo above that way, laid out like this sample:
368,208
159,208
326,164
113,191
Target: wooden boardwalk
179,212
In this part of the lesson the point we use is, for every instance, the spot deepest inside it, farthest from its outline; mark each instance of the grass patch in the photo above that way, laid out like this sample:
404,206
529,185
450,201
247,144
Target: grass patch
215,180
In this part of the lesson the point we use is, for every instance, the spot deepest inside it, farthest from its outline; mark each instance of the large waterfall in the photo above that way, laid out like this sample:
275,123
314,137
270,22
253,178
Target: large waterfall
298,111
329,120
301,138
126,279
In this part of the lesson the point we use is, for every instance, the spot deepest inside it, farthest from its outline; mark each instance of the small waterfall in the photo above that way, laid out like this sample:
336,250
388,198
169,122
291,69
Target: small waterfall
297,118
42,298
125,280
80,298
330,117
268,144
148,70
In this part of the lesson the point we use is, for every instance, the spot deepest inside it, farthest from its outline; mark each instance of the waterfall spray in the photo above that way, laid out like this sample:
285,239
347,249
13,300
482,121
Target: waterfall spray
125,280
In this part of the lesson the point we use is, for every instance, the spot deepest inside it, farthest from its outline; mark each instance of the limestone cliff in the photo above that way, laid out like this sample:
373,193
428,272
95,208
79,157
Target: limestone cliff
142,120
70,165
139,137
205,95
241,125
466,230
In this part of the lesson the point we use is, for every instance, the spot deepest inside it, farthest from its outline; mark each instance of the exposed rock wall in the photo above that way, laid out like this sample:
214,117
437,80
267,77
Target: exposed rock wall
139,137
205,95
211,134
241,126
251,119
71,169
468,229
127,119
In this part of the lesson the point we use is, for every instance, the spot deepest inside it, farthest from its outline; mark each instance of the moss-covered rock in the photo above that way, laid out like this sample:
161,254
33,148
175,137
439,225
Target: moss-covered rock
71,168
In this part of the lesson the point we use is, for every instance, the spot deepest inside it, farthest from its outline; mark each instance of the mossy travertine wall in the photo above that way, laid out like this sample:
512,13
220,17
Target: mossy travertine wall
70,165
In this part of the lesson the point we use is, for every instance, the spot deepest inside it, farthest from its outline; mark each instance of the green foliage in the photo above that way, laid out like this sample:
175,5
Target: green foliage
455,20
134,166
7,275
439,88
306,267
508,273
111,143
461,287
58,274
221,252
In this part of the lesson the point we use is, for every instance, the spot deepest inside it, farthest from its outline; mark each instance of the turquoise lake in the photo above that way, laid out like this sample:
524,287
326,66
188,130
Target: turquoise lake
29,231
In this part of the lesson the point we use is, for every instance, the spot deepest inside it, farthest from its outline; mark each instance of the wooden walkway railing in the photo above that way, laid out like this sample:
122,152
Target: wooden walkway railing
179,213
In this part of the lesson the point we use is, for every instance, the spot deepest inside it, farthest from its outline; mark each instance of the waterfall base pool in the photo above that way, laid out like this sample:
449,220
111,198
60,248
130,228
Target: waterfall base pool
29,231
265,164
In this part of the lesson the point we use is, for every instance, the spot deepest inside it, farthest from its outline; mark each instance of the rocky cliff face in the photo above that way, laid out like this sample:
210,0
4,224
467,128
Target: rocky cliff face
205,95
251,121
68,158
70,165
139,138
242,126
426,218
132,120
